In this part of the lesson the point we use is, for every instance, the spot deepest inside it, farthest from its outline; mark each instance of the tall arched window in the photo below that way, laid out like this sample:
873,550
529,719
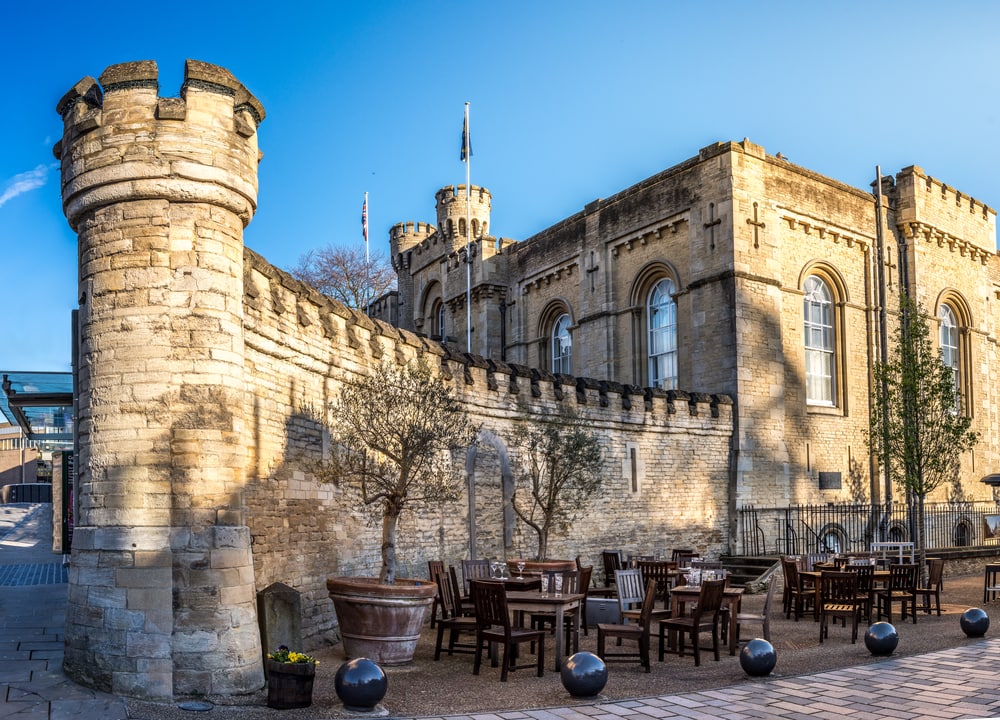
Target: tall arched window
562,346
661,321
439,319
817,310
948,339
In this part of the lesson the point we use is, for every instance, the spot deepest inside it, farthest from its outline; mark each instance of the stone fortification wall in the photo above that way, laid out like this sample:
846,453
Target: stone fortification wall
201,366
300,346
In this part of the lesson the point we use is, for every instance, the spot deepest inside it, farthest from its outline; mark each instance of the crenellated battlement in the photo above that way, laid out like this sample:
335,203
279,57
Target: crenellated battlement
404,235
926,203
453,212
282,309
121,141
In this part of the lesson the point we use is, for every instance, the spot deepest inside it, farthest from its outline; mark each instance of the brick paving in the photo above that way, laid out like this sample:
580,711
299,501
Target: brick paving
958,683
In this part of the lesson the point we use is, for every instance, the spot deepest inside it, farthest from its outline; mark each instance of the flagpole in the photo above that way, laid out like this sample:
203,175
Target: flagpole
467,142
368,266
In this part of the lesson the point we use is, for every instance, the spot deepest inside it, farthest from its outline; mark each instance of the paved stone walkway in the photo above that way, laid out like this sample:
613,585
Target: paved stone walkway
960,683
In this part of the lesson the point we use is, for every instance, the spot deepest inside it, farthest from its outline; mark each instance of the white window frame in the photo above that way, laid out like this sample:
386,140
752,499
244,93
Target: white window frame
661,335
949,345
561,343
819,340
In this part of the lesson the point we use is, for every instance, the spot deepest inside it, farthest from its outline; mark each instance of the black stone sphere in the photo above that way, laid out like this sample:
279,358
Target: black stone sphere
758,658
881,638
360,684
975,622
584,674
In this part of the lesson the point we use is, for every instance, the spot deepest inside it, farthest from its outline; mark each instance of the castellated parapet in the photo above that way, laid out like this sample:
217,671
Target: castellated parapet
162,597
931,211
453,211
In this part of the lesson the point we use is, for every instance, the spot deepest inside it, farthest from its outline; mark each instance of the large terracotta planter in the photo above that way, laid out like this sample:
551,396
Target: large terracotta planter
380,622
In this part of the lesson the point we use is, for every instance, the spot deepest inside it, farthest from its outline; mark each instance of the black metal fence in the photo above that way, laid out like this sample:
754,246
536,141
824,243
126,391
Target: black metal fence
852,527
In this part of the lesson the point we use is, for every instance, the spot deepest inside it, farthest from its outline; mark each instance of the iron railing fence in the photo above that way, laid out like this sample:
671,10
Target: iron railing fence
851,527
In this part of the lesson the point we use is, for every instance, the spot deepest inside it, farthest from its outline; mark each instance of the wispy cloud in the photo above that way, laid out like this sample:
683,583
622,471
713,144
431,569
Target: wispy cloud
24,182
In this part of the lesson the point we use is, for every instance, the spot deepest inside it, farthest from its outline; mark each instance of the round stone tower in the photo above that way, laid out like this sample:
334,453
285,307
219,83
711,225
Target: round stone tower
159,190
453,211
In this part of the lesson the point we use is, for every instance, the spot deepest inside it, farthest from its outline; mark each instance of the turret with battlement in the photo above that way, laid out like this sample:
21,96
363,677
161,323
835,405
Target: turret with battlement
453,212
162,596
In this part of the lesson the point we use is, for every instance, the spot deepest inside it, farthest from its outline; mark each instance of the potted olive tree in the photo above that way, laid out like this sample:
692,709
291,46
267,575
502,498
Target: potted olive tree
396,435
557,465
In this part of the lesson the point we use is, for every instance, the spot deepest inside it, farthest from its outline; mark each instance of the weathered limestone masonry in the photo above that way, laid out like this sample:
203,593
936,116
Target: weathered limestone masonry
159,189
201,369
667,453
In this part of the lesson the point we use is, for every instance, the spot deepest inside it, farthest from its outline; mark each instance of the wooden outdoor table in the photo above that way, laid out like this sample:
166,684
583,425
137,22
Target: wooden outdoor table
878,577
681,595
529,601
527,582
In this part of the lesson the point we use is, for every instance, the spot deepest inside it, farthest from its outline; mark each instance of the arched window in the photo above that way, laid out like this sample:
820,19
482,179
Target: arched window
948,339
438,315
817,310
562,346
661,324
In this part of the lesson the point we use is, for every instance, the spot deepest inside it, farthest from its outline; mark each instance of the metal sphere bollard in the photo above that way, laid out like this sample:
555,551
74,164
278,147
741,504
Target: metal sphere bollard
881,638
975,622
360,684
584,674
758,658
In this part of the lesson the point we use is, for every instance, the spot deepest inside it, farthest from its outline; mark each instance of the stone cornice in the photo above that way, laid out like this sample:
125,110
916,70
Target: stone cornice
824,230
647,234
922,231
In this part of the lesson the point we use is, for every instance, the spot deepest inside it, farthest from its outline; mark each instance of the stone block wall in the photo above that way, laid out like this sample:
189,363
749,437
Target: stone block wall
300,346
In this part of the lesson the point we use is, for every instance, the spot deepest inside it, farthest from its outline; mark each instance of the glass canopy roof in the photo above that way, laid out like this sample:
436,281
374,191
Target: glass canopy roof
40,402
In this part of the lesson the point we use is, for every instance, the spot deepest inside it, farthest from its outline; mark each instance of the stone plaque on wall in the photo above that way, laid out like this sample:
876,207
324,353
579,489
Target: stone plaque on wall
829,481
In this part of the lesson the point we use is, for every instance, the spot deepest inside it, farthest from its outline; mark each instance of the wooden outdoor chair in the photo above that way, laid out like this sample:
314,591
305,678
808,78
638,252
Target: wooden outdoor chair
473,570
462,601
763,618
612,560
901,587
631,593
638,632
704,618
839,599
663,573
866,587
493,625
452,620
935,575
795,595
435,568
683,557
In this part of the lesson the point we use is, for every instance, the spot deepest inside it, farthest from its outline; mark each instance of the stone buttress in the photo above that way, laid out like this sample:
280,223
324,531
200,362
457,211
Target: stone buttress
159,190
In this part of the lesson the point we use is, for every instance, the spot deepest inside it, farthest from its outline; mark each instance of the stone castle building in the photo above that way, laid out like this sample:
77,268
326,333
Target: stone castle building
732,272
671,317
198,371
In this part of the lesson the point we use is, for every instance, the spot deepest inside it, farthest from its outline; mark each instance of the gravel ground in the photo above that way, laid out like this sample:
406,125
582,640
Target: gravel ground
429,688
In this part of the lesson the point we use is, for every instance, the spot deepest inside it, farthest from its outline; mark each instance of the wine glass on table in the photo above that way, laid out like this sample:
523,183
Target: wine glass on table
520,569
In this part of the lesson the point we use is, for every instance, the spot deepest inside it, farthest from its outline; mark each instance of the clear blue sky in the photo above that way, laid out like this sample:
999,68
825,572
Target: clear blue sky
571,100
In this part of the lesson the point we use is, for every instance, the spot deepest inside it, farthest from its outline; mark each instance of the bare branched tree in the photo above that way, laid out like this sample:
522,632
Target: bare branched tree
398,441
346,275
557,472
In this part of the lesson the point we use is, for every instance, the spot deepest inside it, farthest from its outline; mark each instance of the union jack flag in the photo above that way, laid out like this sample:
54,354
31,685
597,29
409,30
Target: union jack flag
364,218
